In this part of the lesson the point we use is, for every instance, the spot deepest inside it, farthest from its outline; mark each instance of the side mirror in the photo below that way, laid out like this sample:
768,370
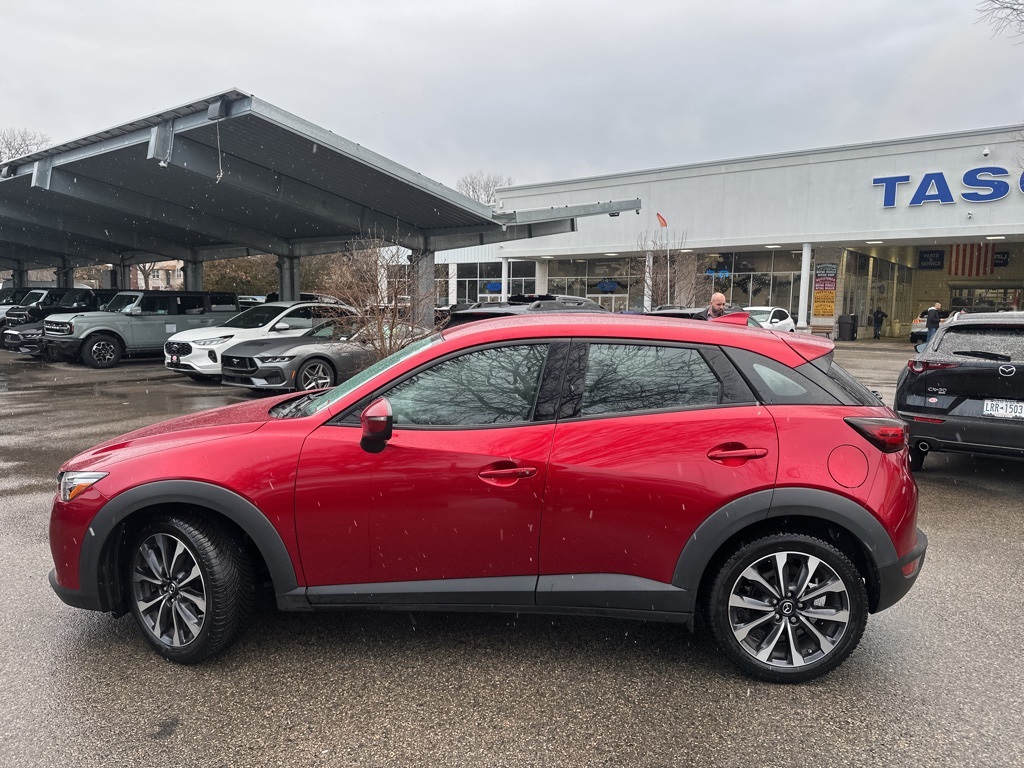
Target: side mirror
135,309
377,422
281,327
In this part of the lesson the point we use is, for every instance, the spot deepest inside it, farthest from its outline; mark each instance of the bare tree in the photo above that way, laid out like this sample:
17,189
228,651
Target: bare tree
1003,16
248,275
375,278
674,277
17,142
480,186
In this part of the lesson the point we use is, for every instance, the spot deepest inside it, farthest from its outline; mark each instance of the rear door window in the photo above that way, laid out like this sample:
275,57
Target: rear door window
630,378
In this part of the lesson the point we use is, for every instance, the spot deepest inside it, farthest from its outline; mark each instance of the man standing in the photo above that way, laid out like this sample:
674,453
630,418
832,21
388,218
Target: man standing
716,308
878,316
932,320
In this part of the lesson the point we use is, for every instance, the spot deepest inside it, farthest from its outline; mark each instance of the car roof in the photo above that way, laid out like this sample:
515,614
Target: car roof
987,318
792,351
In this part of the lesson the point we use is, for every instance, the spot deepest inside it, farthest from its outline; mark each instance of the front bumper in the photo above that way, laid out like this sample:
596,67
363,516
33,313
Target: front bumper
893,580
196,362
61,349
262,378
74,597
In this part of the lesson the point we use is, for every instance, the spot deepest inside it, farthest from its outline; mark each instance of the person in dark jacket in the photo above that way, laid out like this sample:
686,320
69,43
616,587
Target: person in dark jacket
878,316
932,320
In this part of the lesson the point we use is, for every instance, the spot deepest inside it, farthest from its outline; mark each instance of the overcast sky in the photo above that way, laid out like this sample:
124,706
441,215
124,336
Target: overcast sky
538,90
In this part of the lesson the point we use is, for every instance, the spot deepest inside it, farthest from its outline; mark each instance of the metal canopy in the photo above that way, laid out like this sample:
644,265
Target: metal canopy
231,175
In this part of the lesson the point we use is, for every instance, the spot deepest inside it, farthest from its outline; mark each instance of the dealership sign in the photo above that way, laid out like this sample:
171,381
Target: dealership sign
978,185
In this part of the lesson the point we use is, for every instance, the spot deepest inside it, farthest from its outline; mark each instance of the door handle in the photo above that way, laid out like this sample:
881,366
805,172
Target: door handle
734,457
506,477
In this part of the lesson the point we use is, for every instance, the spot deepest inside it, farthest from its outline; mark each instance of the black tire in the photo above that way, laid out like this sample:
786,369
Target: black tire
315,374
800,632
916,458
101,351
191,587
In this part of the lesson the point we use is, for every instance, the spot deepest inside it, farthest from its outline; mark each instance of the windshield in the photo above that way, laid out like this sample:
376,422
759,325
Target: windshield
254,317
122,300
32,297
12,295
315,404
71,298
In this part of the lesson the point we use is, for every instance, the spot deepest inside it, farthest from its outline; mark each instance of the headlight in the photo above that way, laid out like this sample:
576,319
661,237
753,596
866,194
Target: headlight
211,342
71,484
276,358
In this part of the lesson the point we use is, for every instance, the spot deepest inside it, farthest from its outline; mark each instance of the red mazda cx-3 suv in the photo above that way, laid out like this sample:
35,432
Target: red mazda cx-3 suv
609,465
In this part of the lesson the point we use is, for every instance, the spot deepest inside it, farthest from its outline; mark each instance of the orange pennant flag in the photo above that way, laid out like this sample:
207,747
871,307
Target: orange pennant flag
661,220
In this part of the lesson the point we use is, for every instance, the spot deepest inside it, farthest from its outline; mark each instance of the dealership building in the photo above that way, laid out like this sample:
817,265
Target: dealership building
895,224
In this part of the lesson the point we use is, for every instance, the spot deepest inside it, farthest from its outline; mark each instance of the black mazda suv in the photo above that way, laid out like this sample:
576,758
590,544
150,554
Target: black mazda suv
964,392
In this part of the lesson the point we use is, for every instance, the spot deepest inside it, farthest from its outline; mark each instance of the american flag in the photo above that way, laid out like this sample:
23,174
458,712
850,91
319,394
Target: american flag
970,260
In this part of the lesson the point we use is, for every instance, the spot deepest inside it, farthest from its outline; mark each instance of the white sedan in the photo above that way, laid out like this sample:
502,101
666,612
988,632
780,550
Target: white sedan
772,318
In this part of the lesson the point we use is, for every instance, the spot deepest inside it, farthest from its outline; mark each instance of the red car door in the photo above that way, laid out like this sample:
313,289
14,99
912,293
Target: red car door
457,491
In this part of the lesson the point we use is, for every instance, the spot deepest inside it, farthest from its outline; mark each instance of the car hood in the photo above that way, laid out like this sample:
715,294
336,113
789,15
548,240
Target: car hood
212,331
216,424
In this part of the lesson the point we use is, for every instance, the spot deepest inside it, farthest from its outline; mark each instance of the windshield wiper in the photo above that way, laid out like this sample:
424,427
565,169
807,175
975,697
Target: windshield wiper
286,410
985,355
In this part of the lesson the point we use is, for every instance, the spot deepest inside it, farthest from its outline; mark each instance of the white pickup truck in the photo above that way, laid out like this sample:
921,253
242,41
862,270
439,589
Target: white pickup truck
133,323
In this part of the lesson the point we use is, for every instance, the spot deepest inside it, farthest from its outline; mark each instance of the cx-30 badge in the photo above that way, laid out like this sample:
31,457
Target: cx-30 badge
1007,370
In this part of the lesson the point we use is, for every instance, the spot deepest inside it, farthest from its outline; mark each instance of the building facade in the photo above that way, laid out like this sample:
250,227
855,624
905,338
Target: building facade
895,224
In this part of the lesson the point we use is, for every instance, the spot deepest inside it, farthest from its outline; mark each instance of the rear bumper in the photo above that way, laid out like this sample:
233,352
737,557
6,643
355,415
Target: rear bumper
894,581
982,435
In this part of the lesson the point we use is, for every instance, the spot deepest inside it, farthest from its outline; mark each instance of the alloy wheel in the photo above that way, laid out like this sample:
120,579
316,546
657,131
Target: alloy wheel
168,589
789,609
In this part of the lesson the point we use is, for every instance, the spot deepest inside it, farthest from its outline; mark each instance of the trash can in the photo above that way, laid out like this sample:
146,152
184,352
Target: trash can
847,328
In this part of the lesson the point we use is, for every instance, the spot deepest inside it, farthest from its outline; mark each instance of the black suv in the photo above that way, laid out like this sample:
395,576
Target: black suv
525,304
24,329
964,392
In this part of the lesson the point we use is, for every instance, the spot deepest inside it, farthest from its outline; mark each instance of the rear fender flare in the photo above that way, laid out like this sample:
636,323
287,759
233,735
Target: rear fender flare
741,513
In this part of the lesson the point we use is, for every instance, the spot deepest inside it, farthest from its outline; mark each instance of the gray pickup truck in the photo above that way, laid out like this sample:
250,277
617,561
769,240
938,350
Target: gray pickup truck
132,323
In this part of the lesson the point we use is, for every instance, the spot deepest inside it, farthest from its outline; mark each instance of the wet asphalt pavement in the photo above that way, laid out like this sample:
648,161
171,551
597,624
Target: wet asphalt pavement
936,681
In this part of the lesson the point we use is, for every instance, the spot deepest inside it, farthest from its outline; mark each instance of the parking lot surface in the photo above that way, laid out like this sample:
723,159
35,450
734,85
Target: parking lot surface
937,679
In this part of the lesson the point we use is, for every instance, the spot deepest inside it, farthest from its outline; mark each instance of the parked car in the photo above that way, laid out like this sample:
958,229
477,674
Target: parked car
773,318
198,352
24,338
732,315
964,392
918,331
523,304
319,358
550,463
36,304
40,303
10,297
132,323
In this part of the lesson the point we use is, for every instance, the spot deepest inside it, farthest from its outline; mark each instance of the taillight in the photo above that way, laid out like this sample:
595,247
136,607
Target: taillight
920,366
888,435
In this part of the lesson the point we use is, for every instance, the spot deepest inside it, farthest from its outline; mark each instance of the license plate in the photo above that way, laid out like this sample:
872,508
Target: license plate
1004,409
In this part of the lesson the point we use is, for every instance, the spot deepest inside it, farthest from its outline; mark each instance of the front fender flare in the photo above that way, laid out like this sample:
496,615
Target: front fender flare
191,492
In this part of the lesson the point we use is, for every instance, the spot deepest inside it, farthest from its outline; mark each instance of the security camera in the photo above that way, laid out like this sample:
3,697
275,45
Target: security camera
984,152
